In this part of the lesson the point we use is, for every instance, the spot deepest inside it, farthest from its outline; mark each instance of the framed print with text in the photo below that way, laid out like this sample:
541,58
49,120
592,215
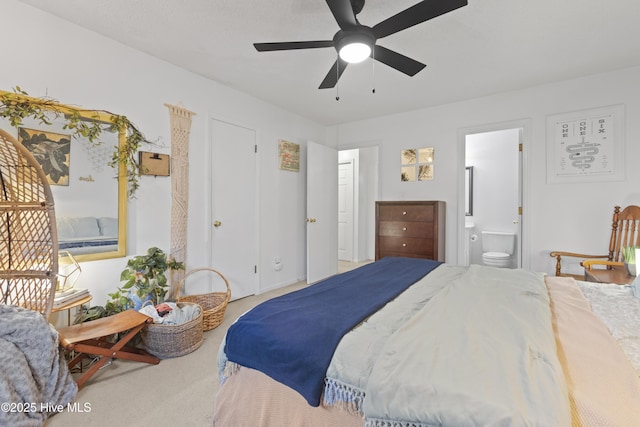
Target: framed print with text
586,145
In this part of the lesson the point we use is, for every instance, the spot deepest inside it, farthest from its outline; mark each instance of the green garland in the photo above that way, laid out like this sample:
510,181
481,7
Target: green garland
18,105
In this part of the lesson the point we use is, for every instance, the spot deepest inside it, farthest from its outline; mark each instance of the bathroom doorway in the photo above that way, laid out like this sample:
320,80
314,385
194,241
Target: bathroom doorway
492,189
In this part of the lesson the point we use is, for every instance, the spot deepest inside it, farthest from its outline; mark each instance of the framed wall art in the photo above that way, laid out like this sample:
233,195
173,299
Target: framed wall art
51,150
416,164
289,155
586,145
155,164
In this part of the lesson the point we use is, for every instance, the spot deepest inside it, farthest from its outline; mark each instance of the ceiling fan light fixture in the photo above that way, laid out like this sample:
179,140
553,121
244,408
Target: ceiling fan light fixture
355,45
355,52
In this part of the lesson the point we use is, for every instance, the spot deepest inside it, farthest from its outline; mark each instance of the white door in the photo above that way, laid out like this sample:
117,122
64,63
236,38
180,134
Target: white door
322,212
345,211
234,222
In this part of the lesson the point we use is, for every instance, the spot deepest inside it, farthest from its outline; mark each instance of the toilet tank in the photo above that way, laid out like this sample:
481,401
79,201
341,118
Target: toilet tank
496,241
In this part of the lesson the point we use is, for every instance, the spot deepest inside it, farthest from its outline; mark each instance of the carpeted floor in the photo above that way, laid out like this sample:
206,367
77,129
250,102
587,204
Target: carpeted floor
177,392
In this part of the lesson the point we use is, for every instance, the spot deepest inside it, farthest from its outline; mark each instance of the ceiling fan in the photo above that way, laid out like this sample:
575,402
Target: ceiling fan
355,42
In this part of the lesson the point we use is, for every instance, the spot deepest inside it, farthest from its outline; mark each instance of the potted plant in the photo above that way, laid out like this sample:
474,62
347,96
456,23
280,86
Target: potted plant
629,254
144,280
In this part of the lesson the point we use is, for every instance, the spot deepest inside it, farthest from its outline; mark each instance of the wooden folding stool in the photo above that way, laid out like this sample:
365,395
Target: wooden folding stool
88,339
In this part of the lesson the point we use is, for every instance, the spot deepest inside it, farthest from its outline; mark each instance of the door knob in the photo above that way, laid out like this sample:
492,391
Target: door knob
217,223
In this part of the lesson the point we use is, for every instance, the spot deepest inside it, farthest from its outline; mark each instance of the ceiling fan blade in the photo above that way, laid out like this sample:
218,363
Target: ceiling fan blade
267,47
331,79
343,12
396,60
414,15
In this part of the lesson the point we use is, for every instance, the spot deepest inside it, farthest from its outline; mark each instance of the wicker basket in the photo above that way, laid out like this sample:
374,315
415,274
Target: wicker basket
213,304
166,341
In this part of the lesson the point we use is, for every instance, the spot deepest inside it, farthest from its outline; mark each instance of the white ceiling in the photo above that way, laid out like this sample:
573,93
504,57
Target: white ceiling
487,47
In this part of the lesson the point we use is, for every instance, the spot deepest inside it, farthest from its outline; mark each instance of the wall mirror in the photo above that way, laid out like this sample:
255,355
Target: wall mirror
90,196
468,191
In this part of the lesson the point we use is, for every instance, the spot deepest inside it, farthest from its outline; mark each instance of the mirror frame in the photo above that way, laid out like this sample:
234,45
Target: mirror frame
468,177
102,117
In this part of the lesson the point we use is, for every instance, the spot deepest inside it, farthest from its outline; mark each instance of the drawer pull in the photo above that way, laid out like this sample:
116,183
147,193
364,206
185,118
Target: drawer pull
404,228
404,245
404,212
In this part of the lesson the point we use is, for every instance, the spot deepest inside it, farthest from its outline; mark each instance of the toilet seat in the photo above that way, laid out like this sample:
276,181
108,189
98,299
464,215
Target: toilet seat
496,259
496,255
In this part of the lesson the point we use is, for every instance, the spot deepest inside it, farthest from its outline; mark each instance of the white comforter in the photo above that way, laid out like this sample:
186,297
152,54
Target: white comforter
440,346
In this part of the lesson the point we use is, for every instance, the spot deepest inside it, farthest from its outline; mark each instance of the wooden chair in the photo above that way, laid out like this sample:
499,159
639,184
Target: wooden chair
89,338
625,231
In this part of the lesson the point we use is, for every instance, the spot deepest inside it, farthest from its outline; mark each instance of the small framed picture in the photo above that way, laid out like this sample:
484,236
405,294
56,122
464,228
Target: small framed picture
155,164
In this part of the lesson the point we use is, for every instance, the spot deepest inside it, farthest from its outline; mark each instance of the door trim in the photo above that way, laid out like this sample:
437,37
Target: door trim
525,139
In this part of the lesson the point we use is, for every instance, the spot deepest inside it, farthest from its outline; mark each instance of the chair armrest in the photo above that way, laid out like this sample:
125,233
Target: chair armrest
559,254
588,264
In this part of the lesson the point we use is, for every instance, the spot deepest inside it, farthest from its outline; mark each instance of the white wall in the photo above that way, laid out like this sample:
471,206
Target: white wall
51,57
573,217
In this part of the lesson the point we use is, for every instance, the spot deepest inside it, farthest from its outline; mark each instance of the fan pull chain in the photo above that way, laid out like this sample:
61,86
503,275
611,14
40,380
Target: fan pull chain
338,79
373,70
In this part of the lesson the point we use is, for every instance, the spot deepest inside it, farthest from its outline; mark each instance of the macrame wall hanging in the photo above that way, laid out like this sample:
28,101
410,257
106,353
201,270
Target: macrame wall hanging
180,129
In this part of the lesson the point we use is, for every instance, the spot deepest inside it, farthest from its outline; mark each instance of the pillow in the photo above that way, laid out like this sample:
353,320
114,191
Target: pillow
65,230
85,226
108,226
73,228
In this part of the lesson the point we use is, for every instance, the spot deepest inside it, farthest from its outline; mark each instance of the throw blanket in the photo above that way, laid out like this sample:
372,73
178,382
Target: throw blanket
481,352
32,370
292,338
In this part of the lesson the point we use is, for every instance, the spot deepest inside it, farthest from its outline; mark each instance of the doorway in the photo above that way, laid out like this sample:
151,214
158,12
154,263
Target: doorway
357,193
492,189
346,209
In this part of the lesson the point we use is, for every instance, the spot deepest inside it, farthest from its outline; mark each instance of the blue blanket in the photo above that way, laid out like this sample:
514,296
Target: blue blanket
292,338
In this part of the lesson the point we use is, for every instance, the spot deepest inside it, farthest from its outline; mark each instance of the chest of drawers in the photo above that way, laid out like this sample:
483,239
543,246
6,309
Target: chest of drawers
411,229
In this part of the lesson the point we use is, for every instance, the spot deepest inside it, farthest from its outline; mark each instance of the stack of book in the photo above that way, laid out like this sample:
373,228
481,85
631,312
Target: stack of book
70,295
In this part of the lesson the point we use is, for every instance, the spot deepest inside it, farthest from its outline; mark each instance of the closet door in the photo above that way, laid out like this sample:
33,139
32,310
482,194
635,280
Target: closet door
234,222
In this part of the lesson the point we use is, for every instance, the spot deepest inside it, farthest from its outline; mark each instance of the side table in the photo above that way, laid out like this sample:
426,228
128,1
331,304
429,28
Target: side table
71,305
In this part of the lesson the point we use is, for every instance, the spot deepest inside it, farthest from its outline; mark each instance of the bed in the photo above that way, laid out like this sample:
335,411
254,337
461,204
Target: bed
459,346
83,235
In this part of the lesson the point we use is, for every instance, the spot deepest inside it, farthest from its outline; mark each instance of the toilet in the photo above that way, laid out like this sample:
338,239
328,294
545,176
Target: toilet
497,248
